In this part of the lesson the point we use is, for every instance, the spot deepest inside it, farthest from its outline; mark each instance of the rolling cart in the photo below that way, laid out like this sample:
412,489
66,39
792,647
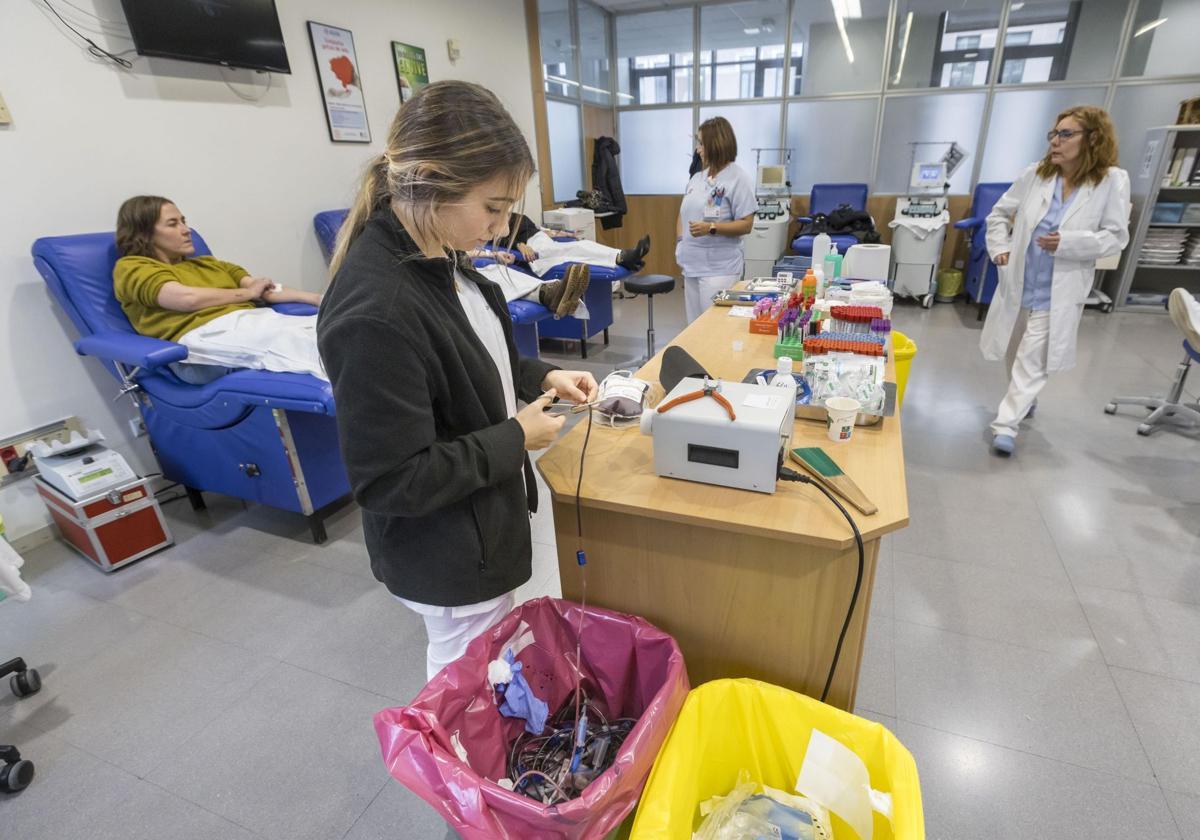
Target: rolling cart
15,773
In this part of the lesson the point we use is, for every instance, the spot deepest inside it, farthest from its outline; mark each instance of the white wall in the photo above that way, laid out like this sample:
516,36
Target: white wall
249,176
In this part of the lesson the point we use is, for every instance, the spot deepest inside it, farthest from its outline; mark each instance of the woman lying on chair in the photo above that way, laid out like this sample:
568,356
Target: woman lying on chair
216,309
543,252
561,297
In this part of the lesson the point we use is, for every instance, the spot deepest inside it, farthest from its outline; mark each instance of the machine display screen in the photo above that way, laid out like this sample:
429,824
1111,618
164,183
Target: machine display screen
931,173
92,476
712,455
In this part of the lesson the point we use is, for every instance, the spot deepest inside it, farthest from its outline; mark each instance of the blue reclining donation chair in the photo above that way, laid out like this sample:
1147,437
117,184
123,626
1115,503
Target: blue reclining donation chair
825,198
531,321
525,314
255,435
981,272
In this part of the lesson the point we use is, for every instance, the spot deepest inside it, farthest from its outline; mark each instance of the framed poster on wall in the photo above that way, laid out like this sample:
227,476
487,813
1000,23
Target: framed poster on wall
341,86
412,72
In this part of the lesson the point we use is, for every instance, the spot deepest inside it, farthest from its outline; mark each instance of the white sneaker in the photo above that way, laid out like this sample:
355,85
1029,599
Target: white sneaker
1185,313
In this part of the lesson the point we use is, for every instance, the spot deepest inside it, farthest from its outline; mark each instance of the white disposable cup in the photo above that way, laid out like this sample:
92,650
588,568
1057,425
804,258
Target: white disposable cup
737,346
840,413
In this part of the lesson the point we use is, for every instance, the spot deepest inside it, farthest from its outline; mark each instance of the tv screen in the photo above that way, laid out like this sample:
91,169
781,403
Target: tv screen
237,33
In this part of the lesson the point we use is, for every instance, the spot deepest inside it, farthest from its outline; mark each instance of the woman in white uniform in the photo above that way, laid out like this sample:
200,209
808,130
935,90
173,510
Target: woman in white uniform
1045,235
717,211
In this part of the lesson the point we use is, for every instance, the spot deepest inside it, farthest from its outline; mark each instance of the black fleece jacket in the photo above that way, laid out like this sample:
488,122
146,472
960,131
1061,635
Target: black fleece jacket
436,464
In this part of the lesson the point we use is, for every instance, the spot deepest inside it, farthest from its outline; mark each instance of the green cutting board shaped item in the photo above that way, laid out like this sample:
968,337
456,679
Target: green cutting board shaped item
825,470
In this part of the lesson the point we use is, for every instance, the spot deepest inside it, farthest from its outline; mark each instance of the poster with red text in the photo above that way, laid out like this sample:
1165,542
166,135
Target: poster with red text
341,86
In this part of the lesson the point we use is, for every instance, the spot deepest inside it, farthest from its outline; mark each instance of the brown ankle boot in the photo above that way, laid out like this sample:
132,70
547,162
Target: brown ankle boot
562,296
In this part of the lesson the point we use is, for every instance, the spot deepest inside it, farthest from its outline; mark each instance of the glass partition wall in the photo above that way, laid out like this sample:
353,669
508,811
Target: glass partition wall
848,85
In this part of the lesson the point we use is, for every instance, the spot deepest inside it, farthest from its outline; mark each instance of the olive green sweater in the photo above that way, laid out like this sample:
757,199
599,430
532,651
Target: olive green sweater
138,280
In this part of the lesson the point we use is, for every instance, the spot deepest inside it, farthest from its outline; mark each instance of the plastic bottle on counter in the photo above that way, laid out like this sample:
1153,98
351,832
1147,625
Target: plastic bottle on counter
833,266
820,248
785,381
808,286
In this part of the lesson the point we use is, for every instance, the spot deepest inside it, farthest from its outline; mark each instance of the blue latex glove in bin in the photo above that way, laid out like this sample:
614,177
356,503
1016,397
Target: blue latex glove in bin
519,699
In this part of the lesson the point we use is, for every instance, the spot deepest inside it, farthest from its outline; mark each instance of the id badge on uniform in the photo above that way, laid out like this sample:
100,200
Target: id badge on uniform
712,207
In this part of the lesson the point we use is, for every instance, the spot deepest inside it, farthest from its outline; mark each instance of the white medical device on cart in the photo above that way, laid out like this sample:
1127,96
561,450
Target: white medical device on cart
919,225
580,222
768,238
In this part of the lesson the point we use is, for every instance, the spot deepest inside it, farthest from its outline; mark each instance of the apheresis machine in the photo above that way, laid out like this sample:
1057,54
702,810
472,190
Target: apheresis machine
769,236
919,225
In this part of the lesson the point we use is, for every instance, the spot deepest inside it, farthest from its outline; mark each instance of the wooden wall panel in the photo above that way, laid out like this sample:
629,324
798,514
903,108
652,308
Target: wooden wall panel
883,207
656,215
652,214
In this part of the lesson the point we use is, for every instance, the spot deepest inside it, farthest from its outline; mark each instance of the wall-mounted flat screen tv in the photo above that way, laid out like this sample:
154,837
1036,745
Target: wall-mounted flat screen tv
236,33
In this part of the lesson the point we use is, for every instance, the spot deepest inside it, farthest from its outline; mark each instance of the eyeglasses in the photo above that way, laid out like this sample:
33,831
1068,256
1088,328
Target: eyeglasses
1063,134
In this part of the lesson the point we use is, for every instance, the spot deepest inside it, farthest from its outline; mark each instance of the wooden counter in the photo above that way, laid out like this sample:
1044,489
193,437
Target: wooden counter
749,584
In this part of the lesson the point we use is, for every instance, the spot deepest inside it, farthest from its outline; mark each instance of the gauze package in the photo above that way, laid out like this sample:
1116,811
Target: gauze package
847,375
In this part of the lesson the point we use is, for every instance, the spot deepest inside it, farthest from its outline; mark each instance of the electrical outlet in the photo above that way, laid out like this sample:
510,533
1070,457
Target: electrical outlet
137,426
958,264
5,114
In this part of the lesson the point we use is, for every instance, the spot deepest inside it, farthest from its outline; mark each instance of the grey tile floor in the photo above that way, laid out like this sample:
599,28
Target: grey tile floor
1034,638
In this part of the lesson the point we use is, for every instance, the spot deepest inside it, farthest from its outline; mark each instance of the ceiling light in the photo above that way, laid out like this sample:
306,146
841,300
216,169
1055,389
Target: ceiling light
903,48
560,80
752,30
839,15
1016,7
1154,24
847,8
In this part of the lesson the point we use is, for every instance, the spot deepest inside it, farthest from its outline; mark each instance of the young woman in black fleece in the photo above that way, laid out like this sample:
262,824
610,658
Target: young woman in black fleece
419,349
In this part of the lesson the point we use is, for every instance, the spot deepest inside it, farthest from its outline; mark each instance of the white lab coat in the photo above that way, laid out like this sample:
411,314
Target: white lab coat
1095,225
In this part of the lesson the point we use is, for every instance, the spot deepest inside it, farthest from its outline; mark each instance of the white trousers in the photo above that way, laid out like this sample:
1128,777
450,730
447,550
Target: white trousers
449,636
698,292
517,284
259,339
1026,357
551,253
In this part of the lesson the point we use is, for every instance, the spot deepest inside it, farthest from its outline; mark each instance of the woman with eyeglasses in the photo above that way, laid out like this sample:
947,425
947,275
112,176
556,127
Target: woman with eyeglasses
1045,235
717,211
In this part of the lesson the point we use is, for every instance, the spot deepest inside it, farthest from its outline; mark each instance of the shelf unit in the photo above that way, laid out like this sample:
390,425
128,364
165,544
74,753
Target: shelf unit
1146,190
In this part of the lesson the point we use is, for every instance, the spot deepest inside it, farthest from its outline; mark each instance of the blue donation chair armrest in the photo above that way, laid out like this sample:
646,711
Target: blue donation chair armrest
969,223
294,308
131,349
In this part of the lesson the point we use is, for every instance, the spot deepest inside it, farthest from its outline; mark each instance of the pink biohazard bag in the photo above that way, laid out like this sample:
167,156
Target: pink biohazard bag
450,745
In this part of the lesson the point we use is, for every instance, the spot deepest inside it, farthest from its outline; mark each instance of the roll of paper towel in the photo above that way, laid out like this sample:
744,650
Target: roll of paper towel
867,262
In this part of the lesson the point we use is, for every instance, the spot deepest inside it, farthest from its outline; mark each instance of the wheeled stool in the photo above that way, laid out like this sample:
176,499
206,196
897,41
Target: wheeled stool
17,772
649,285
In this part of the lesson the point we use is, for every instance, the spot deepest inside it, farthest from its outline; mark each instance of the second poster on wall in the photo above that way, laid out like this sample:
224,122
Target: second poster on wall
412,72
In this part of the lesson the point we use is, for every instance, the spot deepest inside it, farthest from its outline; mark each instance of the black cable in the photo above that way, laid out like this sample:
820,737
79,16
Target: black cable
791,475
93,48
579,482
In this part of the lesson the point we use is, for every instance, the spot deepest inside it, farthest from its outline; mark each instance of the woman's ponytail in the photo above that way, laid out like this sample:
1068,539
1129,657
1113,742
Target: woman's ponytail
370,193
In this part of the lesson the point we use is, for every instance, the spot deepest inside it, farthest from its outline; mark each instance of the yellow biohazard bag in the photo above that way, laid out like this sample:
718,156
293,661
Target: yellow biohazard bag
731,725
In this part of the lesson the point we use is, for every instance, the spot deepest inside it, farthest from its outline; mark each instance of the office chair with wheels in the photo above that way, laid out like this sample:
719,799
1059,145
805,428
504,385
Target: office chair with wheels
1171,410
16,773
